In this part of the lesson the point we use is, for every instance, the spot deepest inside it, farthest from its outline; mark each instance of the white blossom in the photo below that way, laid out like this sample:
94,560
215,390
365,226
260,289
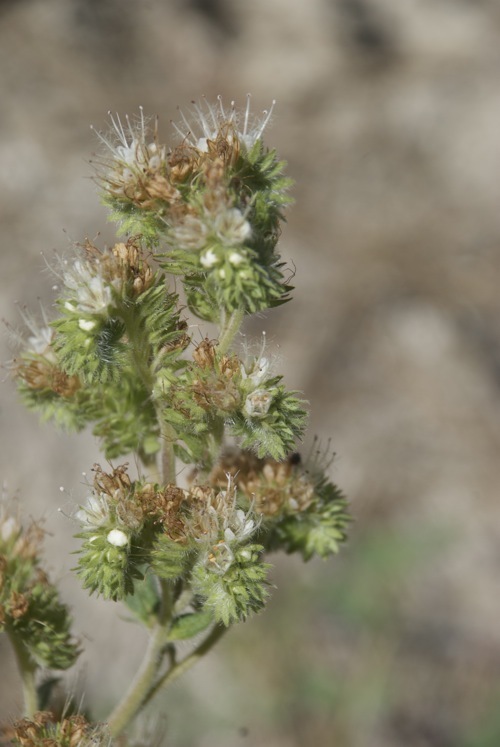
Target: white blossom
190,233
235,258
208,121
133,149
209,259
117,538
231,228
257,403
86,324
9,526
95,513
91,293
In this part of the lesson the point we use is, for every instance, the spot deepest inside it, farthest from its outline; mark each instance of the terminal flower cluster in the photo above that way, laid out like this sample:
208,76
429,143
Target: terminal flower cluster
200,221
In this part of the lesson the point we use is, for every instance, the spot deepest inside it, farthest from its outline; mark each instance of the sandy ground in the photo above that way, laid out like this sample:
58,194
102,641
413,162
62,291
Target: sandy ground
388,114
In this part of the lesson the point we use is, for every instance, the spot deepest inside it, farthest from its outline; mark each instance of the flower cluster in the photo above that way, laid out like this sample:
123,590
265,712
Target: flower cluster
200,533
44,729
119,356
216,198
31,612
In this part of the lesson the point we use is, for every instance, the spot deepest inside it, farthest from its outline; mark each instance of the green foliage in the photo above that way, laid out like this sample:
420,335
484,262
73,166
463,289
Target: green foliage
124,417
96,354
240,591
106,569
44,629
144,601
271,432
248,285
317,531
132,220
68,414
191,624
169,559
30,609
262,186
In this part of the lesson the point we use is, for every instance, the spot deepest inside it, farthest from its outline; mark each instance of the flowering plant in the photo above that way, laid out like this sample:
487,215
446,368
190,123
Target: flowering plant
189,561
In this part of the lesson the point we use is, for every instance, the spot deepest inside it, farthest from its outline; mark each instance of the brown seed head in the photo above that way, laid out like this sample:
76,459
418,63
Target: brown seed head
165,506
18,605
273,487
204,353
112,483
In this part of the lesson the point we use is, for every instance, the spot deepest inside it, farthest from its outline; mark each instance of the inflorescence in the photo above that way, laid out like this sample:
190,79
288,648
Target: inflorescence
119,356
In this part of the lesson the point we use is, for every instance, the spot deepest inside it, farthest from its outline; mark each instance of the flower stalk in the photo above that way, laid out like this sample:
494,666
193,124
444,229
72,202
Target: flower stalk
137,695
27,670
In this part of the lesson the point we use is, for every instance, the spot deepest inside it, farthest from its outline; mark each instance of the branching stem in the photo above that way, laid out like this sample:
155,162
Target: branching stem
178,669
136,695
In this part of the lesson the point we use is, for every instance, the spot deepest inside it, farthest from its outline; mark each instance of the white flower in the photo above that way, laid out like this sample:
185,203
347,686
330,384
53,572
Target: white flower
220,559
133,149
86,324
240,527
235,258
41,335
211,120
231,228
41,339
209,259
190,233
117,538
257,403
91,293
95,513
9,526
219,518
258,372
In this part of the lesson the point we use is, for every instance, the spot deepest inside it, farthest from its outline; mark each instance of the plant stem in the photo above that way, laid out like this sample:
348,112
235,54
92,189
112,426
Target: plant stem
27,670
136,695
167,454
178,669
229,329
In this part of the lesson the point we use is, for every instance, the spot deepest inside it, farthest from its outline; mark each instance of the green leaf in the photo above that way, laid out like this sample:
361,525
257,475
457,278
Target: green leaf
189,625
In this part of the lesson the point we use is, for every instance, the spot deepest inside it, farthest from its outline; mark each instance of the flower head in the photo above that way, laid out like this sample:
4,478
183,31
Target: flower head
210,122
133,152
95,513
216,518
90,292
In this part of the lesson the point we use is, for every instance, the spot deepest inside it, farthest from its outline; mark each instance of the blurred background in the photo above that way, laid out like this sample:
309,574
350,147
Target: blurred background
388,114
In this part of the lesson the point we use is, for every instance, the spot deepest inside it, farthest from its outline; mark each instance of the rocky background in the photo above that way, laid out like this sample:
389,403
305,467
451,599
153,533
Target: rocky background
388,113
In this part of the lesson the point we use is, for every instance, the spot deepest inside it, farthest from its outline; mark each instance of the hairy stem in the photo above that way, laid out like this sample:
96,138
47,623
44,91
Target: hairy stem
138,691
167,454
229,329
27,669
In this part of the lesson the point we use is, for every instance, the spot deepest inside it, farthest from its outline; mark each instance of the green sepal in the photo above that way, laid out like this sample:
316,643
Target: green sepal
44,629
169,559
133,220
105,569
239,592
191,624
251,286
275,433
317,531
69,413
144,601
124,417
95,355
